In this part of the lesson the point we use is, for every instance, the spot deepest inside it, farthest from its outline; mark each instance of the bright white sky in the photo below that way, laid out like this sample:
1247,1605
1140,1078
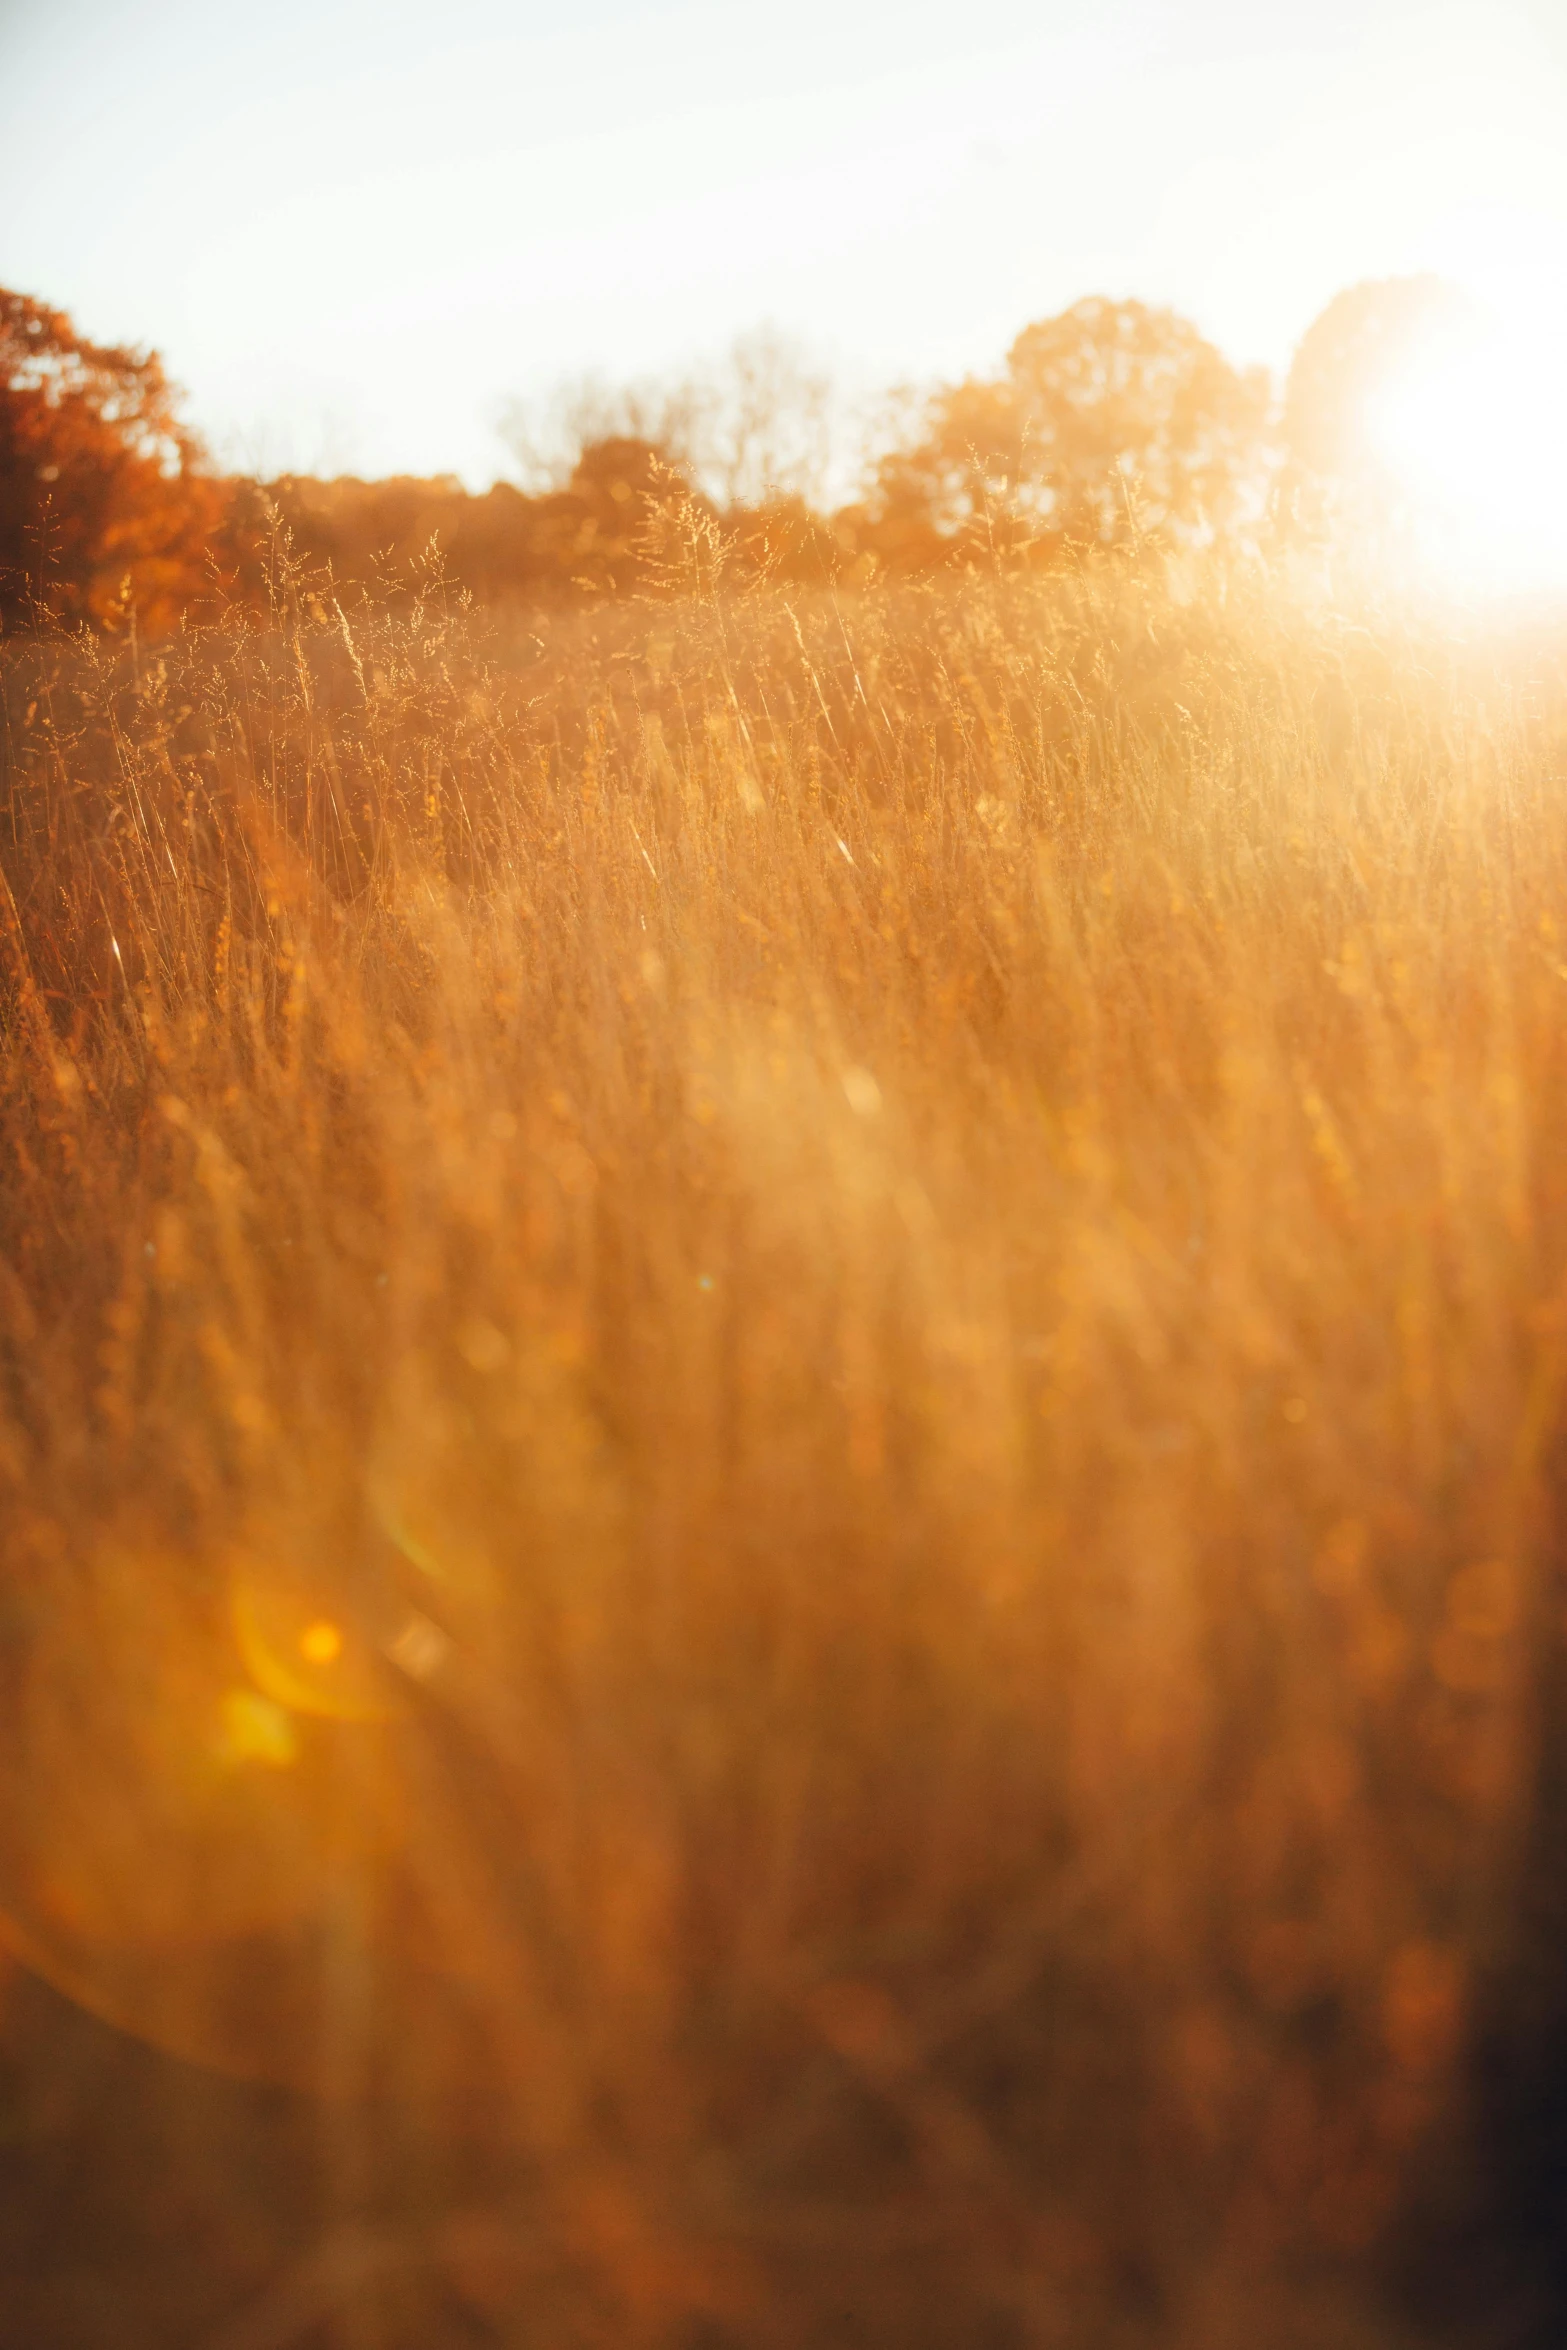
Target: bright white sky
353,227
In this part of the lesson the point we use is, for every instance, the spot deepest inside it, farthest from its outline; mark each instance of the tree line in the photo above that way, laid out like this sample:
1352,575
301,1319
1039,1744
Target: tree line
1112,425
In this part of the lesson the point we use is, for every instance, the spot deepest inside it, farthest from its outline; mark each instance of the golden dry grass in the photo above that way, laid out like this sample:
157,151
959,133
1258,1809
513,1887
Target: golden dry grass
779,1388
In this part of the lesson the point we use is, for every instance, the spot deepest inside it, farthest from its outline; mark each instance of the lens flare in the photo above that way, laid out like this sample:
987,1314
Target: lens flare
301,1660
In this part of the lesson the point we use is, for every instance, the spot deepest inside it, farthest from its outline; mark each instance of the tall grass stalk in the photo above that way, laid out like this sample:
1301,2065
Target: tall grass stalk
894,1270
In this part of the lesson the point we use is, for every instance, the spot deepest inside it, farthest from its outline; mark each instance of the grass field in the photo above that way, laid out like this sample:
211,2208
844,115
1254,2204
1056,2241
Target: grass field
781,1389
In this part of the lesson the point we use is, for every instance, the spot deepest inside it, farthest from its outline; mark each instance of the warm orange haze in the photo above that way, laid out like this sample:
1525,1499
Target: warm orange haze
783,1355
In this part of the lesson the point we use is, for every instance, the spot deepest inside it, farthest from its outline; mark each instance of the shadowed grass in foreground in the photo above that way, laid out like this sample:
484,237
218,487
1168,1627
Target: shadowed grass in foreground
780,1392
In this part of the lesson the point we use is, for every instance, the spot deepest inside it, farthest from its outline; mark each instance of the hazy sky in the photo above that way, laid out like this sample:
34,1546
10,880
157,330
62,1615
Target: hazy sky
354,226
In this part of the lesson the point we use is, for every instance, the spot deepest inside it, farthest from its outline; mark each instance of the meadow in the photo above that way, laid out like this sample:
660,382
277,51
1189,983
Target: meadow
781,1402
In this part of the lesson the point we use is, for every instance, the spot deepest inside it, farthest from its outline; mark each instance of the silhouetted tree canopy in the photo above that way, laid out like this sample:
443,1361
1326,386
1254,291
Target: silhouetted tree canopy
103,501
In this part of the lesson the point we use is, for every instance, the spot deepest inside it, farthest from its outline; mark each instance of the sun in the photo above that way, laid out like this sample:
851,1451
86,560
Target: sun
1471,427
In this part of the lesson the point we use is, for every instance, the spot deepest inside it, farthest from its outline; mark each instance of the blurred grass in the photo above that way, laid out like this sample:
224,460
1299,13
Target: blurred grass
896,1269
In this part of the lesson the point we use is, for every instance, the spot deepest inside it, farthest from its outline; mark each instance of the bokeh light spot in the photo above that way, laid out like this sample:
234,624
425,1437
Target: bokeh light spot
321,1643
255,1730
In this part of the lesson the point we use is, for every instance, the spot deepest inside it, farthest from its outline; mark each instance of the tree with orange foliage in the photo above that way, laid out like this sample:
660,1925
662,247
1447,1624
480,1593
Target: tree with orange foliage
1113,423
105,506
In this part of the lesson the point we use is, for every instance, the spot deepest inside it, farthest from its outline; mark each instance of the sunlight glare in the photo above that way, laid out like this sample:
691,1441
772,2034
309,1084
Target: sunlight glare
1471,428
